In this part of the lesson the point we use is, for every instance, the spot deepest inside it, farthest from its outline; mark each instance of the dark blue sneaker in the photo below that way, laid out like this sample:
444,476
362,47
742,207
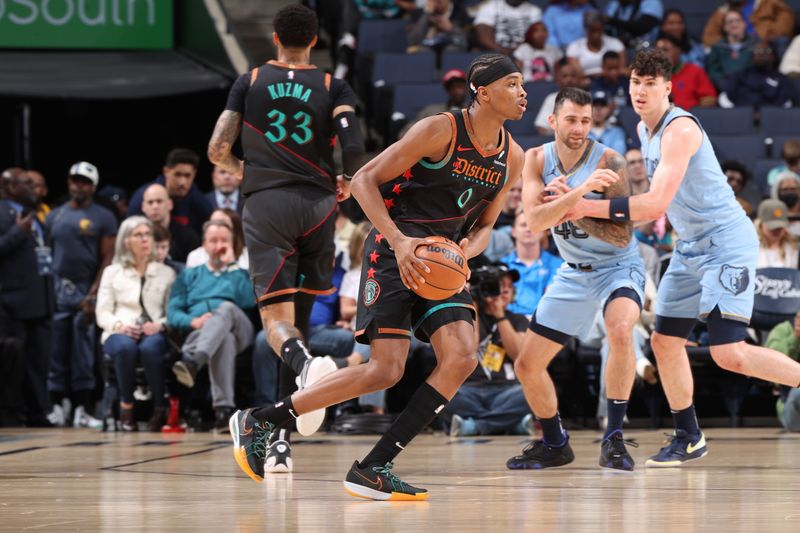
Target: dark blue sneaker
613,453
681,449
538,455
249,443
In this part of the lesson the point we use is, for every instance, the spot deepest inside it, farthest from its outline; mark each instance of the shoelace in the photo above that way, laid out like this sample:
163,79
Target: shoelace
386,470
260,444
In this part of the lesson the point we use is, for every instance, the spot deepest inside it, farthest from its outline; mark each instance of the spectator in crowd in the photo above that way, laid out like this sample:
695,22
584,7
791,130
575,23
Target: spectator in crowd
738,175
568,74
734,52
226,190
602,131
161,242
674,24
536,57
647,233
612,81
790,62
760,84
777,247
564,21
790,153
199,256
691,85
9,174
500,25
509,213
768,19
491,401
637,173
190,206
589,50
535,266
116,199
438,27
787,190
82,235
131,310
208,303
157,207
455,84
631,20
785,337
40,189
26,304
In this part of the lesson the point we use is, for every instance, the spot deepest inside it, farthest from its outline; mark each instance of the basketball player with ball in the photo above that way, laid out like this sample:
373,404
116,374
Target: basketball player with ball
446,180
603,271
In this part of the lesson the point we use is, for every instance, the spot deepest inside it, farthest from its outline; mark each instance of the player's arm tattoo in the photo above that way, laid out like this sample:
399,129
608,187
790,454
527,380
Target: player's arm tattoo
616,233
229,124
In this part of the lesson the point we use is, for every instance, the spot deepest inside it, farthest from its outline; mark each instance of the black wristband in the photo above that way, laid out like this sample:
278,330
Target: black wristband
619,209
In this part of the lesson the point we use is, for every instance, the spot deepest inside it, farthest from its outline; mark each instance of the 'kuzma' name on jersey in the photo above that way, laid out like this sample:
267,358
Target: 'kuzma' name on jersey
289,89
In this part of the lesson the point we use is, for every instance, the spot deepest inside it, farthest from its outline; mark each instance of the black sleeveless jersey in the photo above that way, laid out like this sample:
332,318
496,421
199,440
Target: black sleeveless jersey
447,197
287,129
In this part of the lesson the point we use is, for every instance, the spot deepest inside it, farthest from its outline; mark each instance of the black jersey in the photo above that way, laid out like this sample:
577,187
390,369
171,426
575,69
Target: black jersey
447,197
287,128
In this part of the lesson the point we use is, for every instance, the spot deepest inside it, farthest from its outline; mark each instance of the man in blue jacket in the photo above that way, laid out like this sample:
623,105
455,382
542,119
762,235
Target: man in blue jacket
208,301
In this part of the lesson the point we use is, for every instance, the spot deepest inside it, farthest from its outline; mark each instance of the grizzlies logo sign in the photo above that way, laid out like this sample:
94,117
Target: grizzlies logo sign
371,292
734,279
637,277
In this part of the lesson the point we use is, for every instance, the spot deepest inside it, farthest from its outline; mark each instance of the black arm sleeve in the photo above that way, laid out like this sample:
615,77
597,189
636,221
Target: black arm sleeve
237,94
347,127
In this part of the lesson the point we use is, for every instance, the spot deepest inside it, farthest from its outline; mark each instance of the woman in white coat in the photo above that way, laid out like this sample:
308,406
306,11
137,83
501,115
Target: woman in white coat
131,310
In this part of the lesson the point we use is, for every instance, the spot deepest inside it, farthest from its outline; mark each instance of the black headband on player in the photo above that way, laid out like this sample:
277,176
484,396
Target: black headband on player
492,73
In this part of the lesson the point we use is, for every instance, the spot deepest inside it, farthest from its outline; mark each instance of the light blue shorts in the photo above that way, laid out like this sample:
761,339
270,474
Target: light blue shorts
717,270
572,301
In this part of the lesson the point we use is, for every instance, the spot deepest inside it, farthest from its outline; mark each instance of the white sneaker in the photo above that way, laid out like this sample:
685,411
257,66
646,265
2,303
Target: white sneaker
56,416
315,369
85,420
279,455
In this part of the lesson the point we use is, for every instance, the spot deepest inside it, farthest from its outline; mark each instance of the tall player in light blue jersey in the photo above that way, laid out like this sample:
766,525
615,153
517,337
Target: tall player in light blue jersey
603,271
710,275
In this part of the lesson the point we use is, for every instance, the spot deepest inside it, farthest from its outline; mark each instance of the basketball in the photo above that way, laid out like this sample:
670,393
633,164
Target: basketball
448,267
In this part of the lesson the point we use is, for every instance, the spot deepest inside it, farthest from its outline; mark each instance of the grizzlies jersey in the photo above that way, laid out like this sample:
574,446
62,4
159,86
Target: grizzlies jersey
287,128
575,245
704,203
447,197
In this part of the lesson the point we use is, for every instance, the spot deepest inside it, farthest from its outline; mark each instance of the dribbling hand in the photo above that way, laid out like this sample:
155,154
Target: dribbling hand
412,269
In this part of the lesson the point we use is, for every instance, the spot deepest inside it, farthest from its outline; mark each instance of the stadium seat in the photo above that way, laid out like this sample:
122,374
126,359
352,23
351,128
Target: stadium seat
746,149
779,121
381,36
532,141
537,92
390,68
760,170
696,22
691,7
459,60
409,99
525,126
717,121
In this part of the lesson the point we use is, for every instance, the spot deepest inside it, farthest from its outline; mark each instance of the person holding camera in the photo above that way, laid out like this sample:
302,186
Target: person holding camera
491,401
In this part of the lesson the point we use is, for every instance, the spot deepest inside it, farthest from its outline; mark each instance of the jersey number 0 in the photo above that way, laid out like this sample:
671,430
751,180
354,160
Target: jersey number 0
301,127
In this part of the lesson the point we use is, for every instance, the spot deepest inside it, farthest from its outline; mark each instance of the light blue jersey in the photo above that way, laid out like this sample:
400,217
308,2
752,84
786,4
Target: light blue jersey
575,245
714,261
704,203
604,271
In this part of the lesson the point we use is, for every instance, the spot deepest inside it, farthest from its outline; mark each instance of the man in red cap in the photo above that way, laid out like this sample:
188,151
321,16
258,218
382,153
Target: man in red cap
455,83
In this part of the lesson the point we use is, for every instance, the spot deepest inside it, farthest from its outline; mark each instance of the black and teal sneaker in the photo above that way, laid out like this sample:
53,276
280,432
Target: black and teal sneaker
613,453
538,455
681,449
249,443
375,482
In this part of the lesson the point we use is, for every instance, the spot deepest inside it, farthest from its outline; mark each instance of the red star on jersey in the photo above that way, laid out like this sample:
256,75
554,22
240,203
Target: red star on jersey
389,203
407,174
397,188
373,257
378,238
371,273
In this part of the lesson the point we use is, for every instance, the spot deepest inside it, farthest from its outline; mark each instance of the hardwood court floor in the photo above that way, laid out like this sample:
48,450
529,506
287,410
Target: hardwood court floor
81,480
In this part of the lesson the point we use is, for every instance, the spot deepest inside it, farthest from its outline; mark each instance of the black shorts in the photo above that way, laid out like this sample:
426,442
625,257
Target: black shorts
289,233
387,309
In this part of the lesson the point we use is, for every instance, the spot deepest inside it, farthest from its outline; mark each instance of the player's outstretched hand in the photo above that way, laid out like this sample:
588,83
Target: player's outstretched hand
412,269
342,188
599,180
